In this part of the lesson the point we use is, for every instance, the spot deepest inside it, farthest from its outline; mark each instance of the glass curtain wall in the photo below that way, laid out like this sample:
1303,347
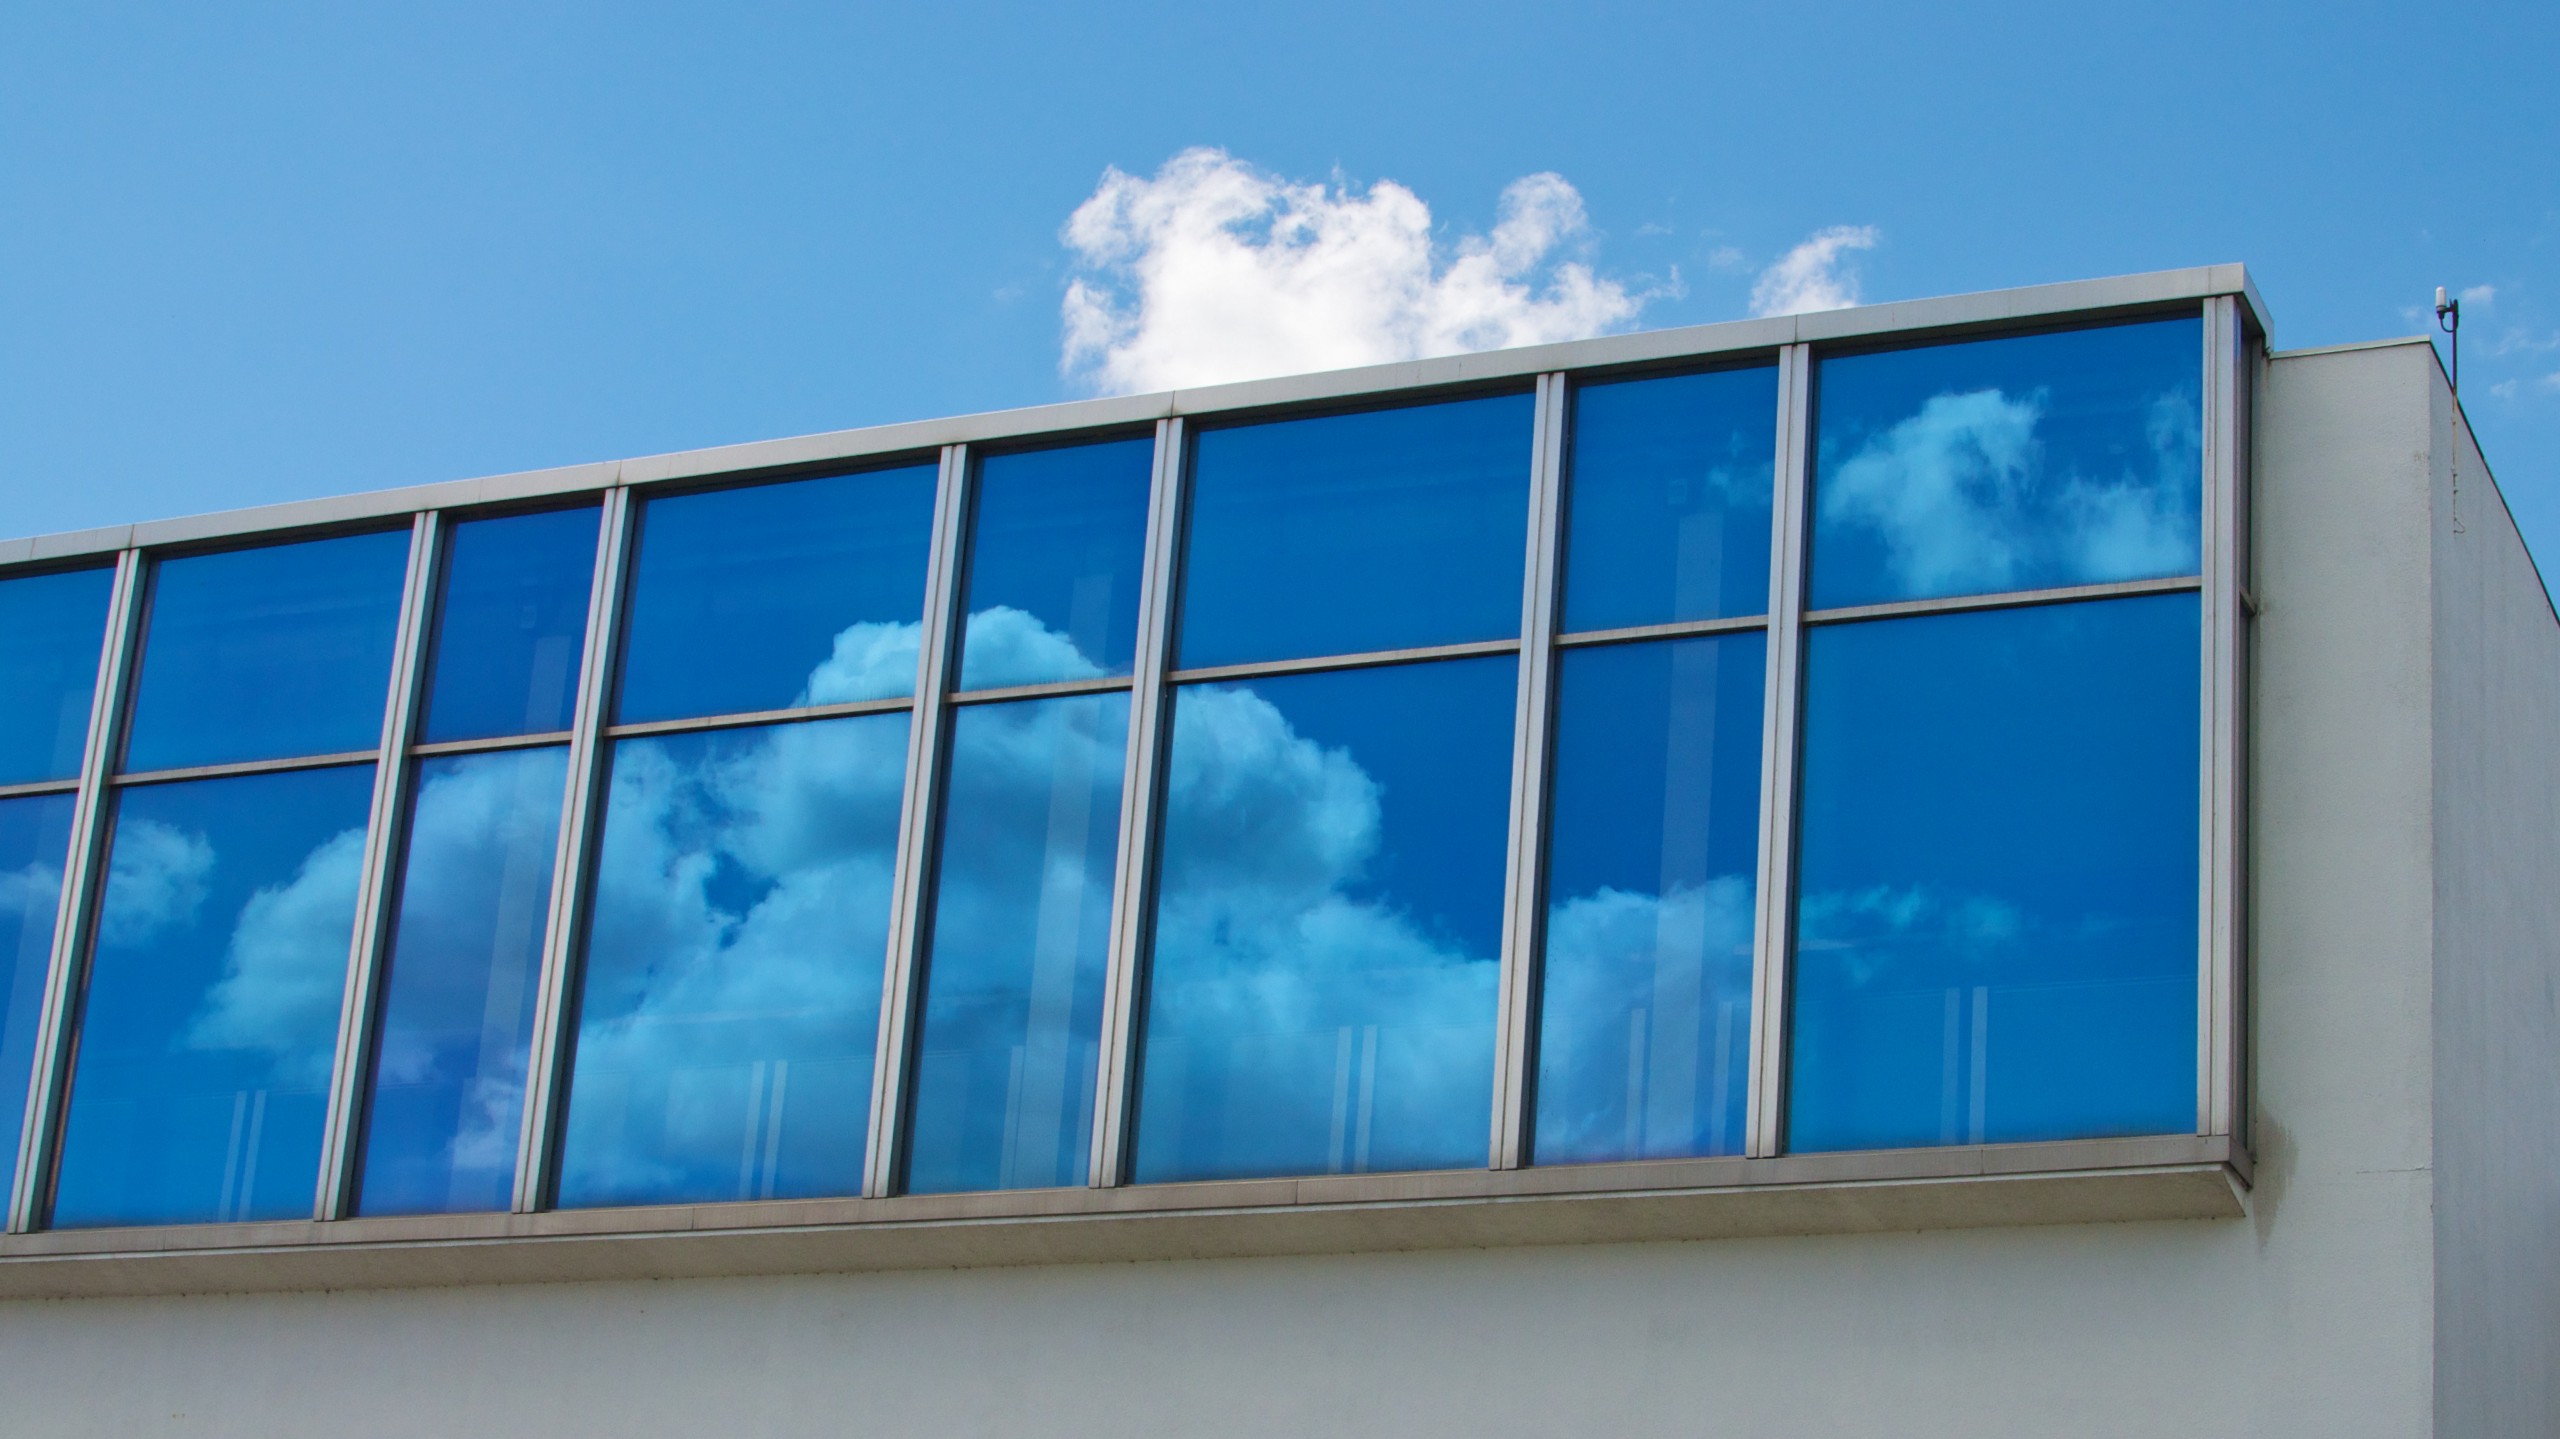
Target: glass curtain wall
52,636
1996,910
209,1018
1329,892
1007,1046
1988,925
1652,875
444,1087
728,1005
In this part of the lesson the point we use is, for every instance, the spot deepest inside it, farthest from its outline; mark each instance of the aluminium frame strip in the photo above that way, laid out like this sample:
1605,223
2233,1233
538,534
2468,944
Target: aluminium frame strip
351,1066
2219,1029
573,866
1133,879
1773,919
76,907
1532,751
919,820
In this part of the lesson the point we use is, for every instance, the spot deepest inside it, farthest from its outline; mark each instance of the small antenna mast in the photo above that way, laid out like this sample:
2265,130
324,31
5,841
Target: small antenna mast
2449,320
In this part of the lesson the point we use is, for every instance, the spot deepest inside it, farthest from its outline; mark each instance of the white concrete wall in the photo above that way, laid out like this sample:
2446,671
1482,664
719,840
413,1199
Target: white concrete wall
2497,1103
2313,1317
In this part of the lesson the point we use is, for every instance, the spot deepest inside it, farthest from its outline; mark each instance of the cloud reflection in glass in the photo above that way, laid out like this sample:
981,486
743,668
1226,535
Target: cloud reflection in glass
1328,916
447,1087
211,1017
731,993
1996,929
1007,1044
2034,461
1645,1011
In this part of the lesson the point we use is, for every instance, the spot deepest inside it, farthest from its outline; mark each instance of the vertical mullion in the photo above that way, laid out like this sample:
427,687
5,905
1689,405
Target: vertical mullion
374,891
83,874
1773,922
911,888
1515,1026
2217,1023
572,867
1132,877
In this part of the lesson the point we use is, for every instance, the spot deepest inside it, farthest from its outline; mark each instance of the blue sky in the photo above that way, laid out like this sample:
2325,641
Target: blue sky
258,252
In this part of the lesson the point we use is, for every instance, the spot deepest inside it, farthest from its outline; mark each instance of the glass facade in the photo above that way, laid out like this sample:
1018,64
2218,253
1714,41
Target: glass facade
206,1041
1490,778
268,653
51,629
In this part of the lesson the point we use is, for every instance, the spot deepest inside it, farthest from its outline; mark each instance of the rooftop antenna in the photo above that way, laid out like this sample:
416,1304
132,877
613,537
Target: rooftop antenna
2449,320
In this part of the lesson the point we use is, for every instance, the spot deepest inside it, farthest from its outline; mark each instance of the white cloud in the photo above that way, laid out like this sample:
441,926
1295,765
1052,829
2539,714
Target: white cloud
1334,1032
284,976
1960,496
474,902
157,877
1647,1022
1214,270
1006,646
1726,257
1815,275
29,894
2479,296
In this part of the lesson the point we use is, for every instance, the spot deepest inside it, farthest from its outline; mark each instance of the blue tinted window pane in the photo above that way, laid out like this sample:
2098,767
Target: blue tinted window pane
1055,548
1021,931
35,838
732,987
514,618
1668,511
212,1011
457,1009
1345,533
1644,1037
2041,460
1996,934
1328,918
51,629
772,596
260,654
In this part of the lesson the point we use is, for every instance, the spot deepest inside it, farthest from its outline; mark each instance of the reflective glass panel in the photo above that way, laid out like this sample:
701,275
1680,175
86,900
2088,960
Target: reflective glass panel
2068,458
1005,1054
35,840
1328,924
211,1017
773,596
1667,511
513,618
1644,1039
265,653
732,987
1055,546
1343,533
51,630
1996,929
457,1008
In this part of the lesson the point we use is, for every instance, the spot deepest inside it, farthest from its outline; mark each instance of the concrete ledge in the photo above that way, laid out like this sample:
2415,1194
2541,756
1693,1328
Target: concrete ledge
2175,1177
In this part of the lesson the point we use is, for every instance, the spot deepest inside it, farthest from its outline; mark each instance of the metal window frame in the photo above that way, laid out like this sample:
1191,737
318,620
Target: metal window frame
375,892
919,828
1781,698
2234,322
2221,1057
1133,880
1532,752
76,908
573,866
